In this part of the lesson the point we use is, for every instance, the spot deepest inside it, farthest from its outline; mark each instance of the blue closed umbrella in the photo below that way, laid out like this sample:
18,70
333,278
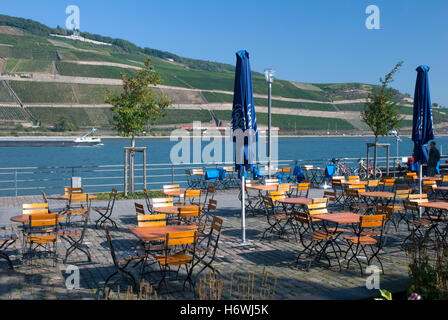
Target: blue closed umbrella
243,124
422,123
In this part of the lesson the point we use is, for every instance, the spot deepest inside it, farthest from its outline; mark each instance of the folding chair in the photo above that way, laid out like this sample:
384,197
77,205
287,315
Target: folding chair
205,251
106,212
77,206
388,184
338,189
303,189
192,196
314,240
121,262
373,225
271,182
401,193
5,242
429,187
417,226
372,185
189,215
277,221
176,255
139,209
161,203
42,232
253,199
75,238
152,220
206,214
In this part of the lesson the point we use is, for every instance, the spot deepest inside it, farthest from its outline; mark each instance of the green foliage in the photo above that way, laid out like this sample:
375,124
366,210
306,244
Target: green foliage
134,195
386,295
80,70
138,105
382,113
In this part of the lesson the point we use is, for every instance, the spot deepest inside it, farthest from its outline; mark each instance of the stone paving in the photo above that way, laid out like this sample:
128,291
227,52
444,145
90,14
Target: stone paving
276,256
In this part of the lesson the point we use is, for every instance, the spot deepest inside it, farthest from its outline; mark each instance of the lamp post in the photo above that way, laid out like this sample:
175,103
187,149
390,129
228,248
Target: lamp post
398,139
269,75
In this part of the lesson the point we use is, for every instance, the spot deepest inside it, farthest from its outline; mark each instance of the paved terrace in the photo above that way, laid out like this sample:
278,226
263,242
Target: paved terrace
277,256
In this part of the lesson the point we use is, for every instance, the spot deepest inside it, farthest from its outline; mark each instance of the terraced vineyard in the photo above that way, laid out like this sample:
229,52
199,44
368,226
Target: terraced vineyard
13,114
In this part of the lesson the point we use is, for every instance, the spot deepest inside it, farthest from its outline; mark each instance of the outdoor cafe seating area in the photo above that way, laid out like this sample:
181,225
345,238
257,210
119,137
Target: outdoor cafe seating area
344,227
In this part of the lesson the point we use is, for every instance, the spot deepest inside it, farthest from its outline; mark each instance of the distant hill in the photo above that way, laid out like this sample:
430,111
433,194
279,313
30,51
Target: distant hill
46,75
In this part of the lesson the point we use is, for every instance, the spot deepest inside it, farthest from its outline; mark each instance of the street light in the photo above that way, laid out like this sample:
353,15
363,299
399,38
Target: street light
398,139
269,75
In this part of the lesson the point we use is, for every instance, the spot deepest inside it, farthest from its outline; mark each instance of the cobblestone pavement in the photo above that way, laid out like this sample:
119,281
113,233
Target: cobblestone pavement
276,256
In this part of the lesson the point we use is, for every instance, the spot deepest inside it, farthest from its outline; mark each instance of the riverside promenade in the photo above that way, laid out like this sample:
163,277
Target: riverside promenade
276,256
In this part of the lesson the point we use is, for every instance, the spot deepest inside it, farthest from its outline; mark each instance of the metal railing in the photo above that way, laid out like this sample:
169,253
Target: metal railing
17,181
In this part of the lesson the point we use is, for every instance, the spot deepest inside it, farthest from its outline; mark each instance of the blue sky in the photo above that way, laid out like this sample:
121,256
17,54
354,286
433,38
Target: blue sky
311,41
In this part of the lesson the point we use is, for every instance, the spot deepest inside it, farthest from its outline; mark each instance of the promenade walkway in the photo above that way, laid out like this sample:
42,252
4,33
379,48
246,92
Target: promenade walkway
275,256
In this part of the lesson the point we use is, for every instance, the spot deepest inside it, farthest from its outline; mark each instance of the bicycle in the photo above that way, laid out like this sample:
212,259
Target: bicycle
341,169
366,171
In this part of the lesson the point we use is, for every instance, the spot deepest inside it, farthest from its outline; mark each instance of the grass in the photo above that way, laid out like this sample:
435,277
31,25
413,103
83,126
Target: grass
80,70
83,117
135,195
44,92
46,66
4,95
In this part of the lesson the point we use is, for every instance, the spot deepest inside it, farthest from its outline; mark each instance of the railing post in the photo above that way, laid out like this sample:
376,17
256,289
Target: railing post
15,181
172,174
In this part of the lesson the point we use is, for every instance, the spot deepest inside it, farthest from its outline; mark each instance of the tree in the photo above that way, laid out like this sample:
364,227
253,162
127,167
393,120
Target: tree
382,112
138,105
64,124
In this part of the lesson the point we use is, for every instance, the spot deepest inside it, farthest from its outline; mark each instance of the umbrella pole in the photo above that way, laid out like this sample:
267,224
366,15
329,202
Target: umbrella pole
243,207
420,188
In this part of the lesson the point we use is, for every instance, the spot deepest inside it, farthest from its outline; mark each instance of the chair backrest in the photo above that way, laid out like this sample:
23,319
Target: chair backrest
320,200
79,198
139,209
112,198
195,193
302,217
331,196
444,178
373,183
271,182
152,220
429,182
336,183
359,187
43,220
402,192
170,187
353,178
34,208
284,187
304,186
228,169
189,212
411,174
67,191
215,233
317,208
372,221
388,182
277,195
180,239
268,204
287,169
212,205
197,171
409,179
417,197
411,205
111,246
162,202
388,211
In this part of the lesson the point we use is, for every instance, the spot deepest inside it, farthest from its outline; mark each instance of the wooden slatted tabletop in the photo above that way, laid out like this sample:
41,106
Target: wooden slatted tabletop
440,205
377,194
158,233
340,217
295,201
173,209
25,218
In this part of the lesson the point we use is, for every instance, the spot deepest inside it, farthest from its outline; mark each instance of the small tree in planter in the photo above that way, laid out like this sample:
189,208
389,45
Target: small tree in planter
138,105
382,113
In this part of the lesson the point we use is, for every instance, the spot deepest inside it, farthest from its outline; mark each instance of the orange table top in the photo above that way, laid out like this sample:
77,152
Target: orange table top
25,218
158,233
442,188
340,217
173,209
429,178
299,200
377,194
442,205
263,187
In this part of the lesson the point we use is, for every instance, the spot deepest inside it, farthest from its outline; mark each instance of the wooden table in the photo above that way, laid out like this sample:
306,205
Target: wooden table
340,217
377,196
173,209
296,201
158,233
25,218
263,187
317,175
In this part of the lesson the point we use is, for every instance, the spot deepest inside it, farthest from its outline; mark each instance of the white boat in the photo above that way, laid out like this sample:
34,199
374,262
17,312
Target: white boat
85,140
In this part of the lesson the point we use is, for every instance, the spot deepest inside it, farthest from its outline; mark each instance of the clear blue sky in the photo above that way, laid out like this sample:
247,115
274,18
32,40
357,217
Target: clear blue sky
309,41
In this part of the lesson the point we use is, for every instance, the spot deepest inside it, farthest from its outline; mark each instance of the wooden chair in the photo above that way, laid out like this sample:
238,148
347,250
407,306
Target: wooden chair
271,182
401,193
277,219
177,255
106,212
207,213
353,178
360,241
192,196
45,199
354,202
313,239
209,195
189,215
253,199
75,238
121,262
42,232
205,250
195,178
303,189
68,191
429,187
331,197
339,190
417,226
